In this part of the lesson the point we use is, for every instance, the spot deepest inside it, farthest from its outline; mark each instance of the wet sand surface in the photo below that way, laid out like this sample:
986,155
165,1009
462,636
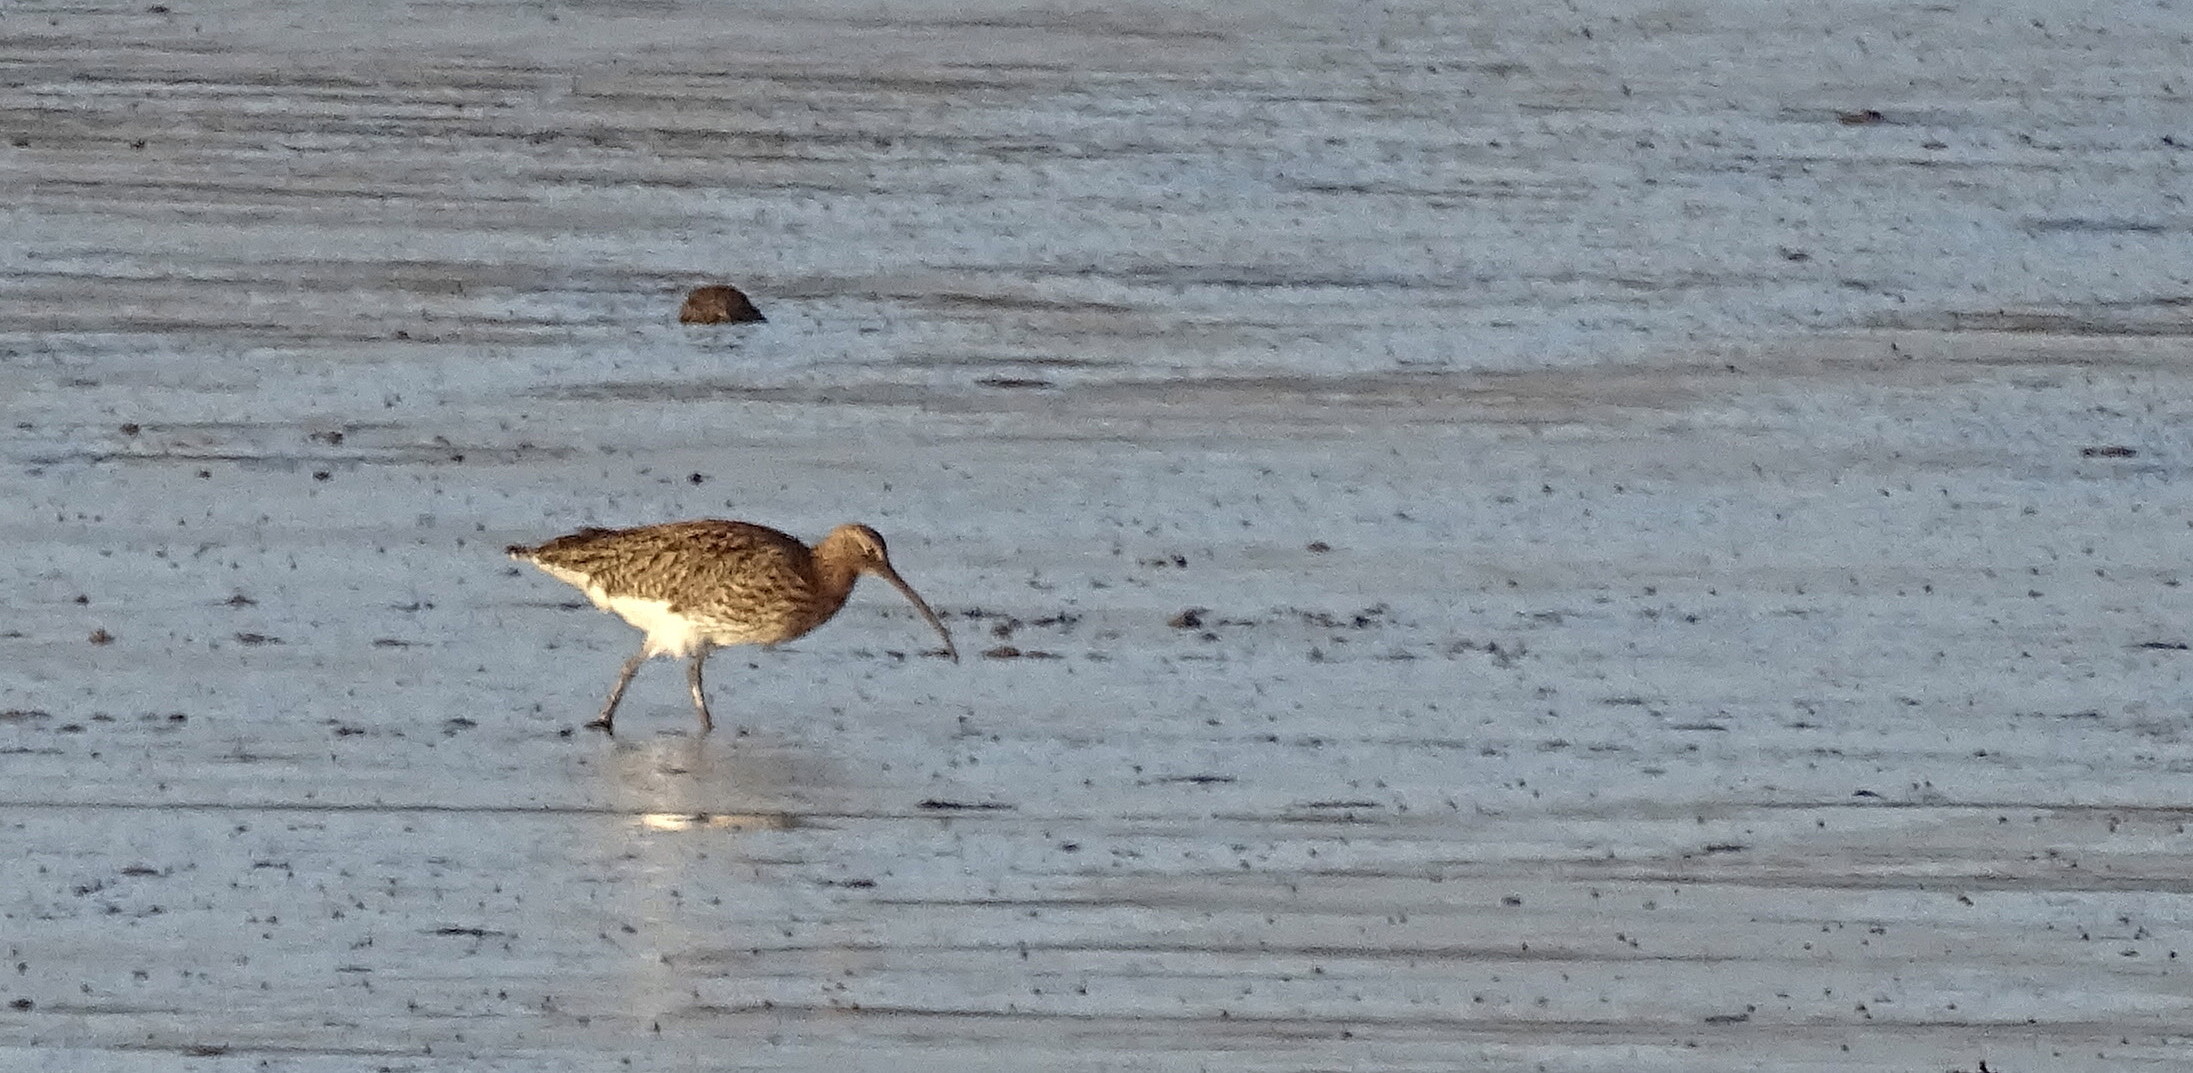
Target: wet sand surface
1510,538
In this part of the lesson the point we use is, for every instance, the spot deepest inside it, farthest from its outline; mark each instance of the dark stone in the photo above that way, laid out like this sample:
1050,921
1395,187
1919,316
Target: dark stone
719,304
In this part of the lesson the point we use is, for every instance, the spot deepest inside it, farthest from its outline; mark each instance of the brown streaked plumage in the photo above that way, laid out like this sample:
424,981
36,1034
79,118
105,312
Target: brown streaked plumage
692,586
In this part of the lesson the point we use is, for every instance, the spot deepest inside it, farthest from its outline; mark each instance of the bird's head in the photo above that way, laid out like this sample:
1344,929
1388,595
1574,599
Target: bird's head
864,549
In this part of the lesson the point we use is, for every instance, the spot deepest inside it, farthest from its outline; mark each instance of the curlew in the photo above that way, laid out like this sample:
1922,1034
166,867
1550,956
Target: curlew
693,586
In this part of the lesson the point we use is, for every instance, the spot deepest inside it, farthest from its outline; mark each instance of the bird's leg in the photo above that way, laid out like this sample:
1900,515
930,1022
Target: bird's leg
700,697
607,720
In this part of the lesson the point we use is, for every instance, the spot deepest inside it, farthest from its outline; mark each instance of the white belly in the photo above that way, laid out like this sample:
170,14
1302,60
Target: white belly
668,634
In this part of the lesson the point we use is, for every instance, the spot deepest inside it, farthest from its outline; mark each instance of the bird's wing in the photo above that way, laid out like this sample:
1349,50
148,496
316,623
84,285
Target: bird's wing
689,564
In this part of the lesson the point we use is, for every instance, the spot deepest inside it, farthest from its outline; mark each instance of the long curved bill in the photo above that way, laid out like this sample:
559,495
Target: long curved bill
921,605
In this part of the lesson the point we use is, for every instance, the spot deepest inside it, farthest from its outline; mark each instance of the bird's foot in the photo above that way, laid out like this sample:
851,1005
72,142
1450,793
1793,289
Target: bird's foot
603,725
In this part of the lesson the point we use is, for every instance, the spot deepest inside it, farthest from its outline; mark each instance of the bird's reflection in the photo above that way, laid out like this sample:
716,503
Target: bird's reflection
716,821
749,783
699,823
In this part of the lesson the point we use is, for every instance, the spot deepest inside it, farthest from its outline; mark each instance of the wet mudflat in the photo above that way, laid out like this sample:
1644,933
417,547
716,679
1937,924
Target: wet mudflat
1582,540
